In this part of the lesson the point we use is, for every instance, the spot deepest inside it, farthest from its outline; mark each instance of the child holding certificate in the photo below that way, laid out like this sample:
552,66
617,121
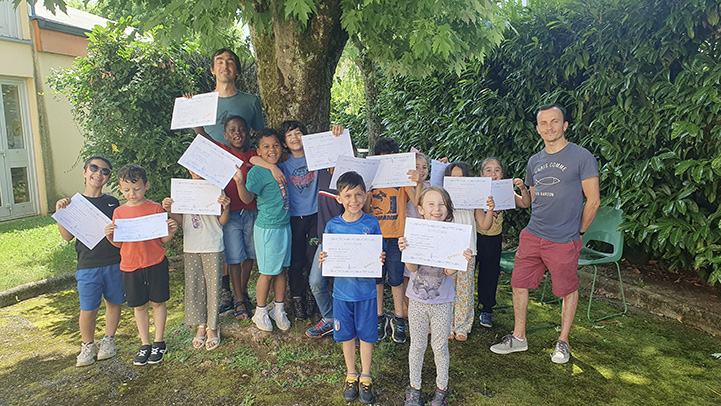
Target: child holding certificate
203,256
431,292
98,271
144,265
354,299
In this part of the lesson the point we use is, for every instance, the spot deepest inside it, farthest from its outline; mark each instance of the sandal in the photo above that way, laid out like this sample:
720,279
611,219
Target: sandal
199,341
452,336
240,314
461,336
213,342
248,304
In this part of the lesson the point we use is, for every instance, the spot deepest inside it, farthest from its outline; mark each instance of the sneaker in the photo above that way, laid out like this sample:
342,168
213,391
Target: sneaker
143,354
320,330
107,348
413,397
365,394
382,326
509,344
157,352
298,309
440,398
281,319
398,329
350,393
562,353
486,319
87,354
262,321
226,301
311,307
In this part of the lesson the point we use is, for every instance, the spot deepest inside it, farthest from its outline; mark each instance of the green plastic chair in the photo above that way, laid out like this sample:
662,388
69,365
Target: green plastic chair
603,229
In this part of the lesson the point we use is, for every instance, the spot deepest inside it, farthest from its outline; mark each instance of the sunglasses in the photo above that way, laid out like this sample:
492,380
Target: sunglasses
95,168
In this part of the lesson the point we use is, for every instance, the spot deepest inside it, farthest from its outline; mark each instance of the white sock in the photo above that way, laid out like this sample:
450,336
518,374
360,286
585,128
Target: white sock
519,339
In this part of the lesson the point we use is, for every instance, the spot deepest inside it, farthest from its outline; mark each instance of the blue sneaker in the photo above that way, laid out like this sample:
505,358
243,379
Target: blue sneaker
398,329
382,326
320,330
486,319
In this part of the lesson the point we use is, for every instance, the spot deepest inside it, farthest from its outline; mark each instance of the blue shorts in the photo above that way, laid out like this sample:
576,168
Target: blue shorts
393,267
238,236
94,283
355,319
272,246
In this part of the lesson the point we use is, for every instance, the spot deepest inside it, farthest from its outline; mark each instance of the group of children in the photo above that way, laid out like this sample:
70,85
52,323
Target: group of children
276,211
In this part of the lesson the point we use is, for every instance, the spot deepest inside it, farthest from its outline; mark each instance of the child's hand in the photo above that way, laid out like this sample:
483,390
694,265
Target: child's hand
224,201
402,243
414,176
337,130
278,175
450,272
518,182
167,204
383,256
62,203
238,176
490,203
468,254
110,230
321,257
443,160
188,95
172,226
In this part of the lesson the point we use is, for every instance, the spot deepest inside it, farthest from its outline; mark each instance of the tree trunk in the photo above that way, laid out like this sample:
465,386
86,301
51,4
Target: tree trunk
370,73
296,66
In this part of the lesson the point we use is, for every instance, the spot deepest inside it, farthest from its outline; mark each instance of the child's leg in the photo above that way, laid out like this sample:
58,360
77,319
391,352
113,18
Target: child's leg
160,314
398,294
195,298
87,321
379,298
142,320
261,289
279,286
212,263
112,318
349,355
366,353
441,316
463,306
418,322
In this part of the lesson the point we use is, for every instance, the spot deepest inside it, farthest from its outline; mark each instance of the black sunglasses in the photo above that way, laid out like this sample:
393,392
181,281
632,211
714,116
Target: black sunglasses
95,168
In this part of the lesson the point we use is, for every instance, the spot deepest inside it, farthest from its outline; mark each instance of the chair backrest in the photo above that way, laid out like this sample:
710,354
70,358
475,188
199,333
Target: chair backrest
605,229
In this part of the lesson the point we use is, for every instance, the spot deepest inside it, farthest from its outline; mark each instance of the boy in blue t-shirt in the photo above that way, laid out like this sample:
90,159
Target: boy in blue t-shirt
354,299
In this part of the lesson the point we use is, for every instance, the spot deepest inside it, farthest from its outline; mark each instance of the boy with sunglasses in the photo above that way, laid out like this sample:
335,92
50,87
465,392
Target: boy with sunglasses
98,271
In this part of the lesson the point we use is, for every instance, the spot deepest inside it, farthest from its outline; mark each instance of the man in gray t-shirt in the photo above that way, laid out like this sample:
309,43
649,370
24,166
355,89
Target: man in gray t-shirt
560,177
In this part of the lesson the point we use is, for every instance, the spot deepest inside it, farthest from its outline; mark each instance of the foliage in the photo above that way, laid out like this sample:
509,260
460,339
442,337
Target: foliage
347,101
640,83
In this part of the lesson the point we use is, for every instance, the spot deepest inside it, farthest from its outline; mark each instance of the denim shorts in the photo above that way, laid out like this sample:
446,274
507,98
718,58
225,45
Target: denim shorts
393,267
238,236
94,283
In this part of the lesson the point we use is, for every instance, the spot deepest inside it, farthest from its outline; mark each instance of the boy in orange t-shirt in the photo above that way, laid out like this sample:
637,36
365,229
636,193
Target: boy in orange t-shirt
144,265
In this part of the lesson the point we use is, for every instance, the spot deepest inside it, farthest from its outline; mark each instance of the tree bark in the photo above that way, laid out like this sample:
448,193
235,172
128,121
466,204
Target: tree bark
371,72
296,65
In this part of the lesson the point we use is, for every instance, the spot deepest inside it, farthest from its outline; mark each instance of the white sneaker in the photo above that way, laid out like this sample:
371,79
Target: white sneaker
281,318
87,355
562,353
107,348
262,321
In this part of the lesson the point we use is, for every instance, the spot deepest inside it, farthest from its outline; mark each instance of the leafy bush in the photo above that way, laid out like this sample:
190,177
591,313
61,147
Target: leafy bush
639,79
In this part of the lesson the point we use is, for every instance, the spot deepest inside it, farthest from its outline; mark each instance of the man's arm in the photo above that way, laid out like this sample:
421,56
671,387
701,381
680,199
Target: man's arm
593,201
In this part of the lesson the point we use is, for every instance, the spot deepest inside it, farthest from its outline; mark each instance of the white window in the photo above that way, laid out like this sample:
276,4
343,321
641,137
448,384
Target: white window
9,20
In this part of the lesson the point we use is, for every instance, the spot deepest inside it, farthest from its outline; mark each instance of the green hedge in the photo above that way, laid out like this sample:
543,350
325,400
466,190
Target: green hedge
640,81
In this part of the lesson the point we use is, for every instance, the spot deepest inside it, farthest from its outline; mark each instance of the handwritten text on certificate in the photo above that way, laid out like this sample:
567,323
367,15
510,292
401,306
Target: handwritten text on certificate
141,228
194,196
353,255
436,243
468,193
366,168
85,221
393,170
211,162
322,149
503,195
195,112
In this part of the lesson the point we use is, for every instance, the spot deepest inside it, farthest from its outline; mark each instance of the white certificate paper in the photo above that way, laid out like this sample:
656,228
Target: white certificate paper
85,221
503,195
468,193
436,243
367,168
322,149
438,172
353,255
141,228
194,196
393,170
195,112
210,161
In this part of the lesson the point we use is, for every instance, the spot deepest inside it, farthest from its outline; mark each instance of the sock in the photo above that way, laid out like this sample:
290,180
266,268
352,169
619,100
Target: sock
365,375
92,342
108,337
225,284
519,339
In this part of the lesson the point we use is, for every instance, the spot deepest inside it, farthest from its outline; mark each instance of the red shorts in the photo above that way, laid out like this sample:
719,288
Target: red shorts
535,255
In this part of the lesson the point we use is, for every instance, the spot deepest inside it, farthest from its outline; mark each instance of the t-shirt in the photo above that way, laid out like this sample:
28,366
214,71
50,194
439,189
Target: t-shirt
202,233
354,289
431,285
496,227
272,197
558,196
389,207
241,104
139,254
104,253
232,189
302,186
328,206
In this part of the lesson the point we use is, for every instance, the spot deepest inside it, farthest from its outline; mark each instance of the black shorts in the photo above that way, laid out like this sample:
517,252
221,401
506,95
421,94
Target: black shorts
147,284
